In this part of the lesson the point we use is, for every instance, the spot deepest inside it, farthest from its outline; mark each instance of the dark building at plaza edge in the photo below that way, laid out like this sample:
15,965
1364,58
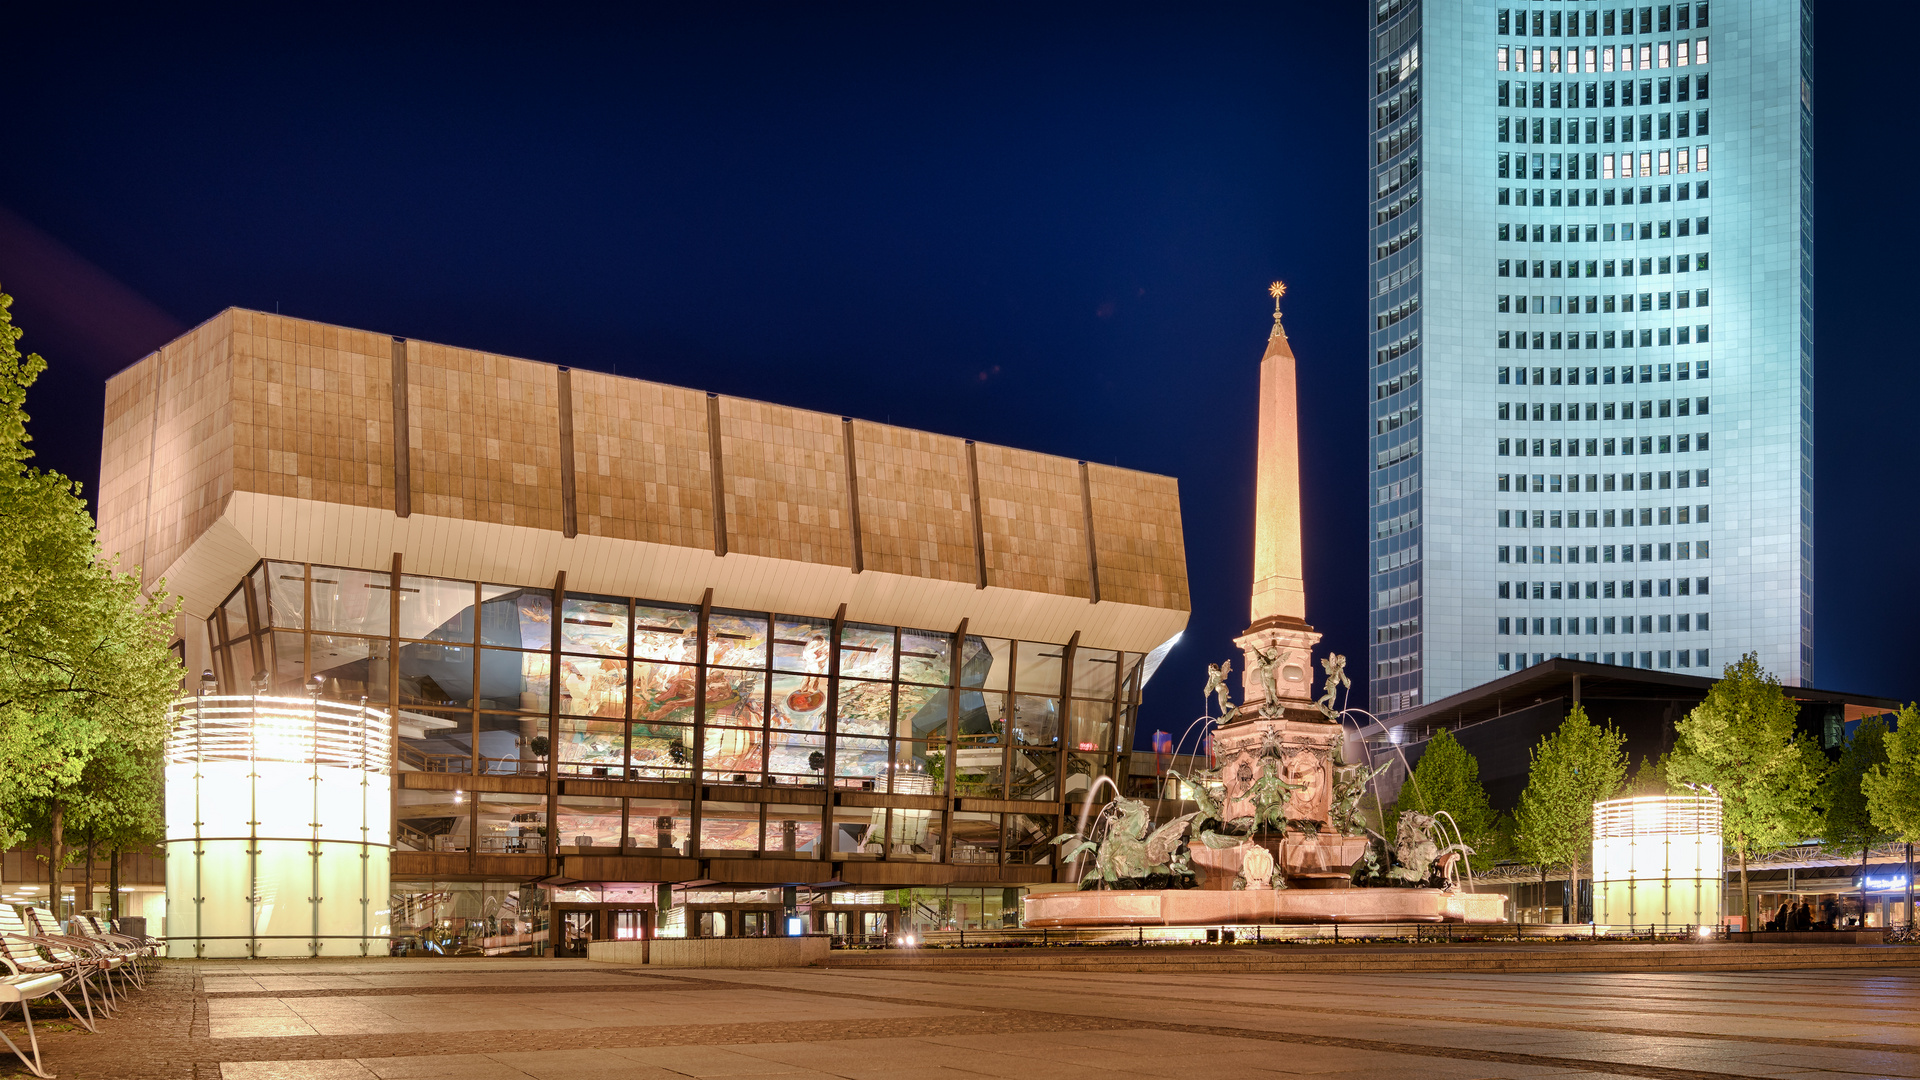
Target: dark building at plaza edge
654,654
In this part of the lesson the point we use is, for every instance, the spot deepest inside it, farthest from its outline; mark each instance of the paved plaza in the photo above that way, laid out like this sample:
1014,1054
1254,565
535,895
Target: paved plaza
576,1020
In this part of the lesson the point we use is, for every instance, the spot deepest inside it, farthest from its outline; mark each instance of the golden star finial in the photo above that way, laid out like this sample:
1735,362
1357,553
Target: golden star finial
1277,290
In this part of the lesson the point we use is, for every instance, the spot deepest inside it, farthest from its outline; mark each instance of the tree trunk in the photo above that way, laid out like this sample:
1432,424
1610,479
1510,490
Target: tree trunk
88,906
113,885
1746,899
1863,886
56,841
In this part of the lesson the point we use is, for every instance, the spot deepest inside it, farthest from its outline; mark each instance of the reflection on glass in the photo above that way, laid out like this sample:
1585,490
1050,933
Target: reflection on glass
1033,774
737,639
913,766
257,582
1028,839
587,821
1036,720
351,601
735,754
431,820
854,834
800,702
351,666
657,826
436,674
514,680
1039,670
926,657
464,918
590,687
435,741
1082,771
663,693
921,710
233,615
734,698
506,745
289,661
909,834
436,609
982,714
516,618
976,837
1092,725
984,662
666,632
287,593
660,752
591,747
729,827
861,759
795,758
1094,672
866,652
512,823
594,624
866,708
801,644
792,830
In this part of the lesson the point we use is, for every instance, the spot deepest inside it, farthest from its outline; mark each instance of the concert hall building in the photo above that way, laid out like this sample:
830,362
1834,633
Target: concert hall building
654,653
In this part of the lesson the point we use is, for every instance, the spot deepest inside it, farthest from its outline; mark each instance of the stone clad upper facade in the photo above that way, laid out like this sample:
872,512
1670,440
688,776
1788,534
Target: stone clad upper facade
258,435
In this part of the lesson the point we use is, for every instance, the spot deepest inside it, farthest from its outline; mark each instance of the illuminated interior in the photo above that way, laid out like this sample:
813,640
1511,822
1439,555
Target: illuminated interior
279,832
1657,860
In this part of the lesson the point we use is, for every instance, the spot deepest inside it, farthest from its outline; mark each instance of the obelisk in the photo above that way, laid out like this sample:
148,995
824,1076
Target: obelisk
1279,627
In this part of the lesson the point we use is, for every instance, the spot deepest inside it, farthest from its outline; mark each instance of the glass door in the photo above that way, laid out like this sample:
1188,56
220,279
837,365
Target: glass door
629,924
574,928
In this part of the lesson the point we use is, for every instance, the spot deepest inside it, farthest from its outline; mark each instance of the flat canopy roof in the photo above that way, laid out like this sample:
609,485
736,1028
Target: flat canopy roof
1555,679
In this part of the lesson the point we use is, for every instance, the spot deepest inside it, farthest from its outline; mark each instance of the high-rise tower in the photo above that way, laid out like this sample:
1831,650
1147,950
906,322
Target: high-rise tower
1592,304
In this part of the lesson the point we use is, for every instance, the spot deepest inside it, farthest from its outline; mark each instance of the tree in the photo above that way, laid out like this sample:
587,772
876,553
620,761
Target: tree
1743,744
1447,778
1849,824
1578,765
1649,778
84,657
1892,787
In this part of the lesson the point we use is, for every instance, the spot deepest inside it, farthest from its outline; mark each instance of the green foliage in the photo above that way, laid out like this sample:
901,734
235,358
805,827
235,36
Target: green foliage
1743,743
1892,788
1849,821
85,669
1448,778
1650,778
1578,765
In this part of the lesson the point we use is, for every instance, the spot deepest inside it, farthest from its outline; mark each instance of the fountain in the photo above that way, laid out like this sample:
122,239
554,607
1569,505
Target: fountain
1275,833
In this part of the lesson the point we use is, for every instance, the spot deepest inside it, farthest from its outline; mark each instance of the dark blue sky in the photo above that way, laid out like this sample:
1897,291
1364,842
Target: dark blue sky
1041,226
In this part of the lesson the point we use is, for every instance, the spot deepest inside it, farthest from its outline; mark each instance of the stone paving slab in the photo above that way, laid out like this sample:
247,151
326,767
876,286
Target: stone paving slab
375,1019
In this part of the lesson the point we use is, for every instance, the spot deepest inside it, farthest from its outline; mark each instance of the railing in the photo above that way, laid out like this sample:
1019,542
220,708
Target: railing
1224,935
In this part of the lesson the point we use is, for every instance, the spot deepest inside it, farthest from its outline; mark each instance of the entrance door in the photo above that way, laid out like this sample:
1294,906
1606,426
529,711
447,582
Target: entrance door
756,924
873,924
837,923
627,924
713,924
573,928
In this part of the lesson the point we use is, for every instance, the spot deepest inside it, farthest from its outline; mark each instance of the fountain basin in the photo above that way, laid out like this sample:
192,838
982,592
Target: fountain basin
1206,907
1296,855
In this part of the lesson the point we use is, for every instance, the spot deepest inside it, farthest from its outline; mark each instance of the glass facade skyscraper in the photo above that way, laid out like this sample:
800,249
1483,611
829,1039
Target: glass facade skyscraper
1592,340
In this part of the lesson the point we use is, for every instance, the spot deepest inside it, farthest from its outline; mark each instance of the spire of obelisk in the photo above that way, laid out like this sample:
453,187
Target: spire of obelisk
1279,588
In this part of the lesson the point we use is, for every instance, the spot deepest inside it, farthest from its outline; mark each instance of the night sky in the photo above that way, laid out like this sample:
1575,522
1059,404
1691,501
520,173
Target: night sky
1040,226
